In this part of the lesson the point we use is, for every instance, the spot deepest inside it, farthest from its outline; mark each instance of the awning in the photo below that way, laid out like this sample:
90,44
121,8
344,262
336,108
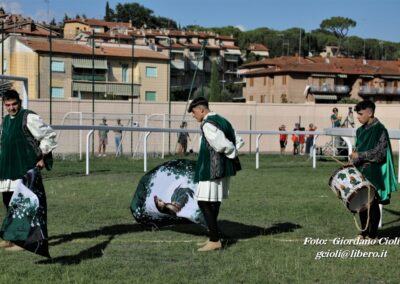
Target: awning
391,77
120,89
325,97
86,63
323,75
177,51
233,51
178,64
261,53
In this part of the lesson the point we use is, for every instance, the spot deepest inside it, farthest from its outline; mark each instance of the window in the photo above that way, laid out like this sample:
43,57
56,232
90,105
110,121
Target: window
150,96
57,92
251,98
151,72
251,82
124,73
5,65
57,66
284,80
262,99
265,80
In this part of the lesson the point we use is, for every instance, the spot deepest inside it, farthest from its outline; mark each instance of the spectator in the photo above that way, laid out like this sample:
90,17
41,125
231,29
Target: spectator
118,139
283,139
103,138
183,140
310,138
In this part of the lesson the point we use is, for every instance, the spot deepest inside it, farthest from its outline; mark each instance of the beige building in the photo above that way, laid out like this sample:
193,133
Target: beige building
185,48
320,80
71,76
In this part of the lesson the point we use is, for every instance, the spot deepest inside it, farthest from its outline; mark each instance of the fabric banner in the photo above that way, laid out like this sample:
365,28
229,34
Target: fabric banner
26,221
165,195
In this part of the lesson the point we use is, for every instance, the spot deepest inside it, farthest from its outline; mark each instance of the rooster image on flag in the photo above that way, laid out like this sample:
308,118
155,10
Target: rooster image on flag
165,195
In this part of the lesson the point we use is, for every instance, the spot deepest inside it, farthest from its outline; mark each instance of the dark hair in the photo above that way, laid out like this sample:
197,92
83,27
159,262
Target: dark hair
11,95
199,101
367,104
335,109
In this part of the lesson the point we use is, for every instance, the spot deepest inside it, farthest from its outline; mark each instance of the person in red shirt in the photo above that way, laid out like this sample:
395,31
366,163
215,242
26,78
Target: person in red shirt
295,139
283,139
302,140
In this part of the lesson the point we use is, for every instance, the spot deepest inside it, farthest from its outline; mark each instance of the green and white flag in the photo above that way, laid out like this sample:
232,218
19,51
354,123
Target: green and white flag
25,224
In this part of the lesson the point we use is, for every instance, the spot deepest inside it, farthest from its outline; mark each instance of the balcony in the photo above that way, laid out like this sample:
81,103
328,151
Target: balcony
328,89
116,89
231,58
86,77
372,91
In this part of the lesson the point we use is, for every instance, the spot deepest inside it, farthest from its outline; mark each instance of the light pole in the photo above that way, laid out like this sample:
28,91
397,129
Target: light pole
2,59
169,93
50,75
132,88
381,44
93,87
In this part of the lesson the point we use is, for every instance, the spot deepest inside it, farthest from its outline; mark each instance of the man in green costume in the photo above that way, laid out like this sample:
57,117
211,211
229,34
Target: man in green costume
216,163
373,157
26,142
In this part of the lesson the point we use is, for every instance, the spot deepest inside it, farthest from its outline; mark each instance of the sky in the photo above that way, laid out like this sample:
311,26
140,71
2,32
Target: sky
377,19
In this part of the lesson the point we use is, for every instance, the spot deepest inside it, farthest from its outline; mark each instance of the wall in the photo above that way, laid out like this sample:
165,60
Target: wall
250,116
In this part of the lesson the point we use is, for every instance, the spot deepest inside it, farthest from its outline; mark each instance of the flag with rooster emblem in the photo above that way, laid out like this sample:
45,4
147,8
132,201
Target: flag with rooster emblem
165,195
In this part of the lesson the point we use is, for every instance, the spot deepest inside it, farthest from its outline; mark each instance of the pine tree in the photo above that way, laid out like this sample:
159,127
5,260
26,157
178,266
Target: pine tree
215,91
109,14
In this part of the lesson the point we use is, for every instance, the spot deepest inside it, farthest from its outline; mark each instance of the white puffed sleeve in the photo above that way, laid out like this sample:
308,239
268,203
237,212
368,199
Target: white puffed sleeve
217,140
42,133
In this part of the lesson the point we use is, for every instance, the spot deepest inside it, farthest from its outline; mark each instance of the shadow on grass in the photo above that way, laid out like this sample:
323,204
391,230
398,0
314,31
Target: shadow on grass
232,232
394,230
89,253
113,230
95,251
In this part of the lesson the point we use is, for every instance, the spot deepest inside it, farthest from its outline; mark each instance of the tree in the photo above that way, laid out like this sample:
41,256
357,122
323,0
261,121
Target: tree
53,22
109,14
138,14
339,26
163,22
215,91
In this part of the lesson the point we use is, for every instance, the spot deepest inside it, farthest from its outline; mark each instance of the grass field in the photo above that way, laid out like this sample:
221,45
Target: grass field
270,213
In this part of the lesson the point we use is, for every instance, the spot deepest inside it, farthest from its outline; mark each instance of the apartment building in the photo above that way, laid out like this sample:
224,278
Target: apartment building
320,80
78,68
191,53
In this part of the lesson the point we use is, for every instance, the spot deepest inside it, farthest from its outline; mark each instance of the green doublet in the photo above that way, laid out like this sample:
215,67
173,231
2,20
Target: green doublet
19,150
210,164
382,176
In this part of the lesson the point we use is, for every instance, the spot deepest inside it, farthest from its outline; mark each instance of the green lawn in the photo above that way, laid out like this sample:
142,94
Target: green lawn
270,212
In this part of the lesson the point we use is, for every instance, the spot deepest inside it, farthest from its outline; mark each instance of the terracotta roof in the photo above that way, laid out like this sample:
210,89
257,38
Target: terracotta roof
257,47
223,37
213,47
348,66
96,22
231,46
71,47
193,45
36,32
